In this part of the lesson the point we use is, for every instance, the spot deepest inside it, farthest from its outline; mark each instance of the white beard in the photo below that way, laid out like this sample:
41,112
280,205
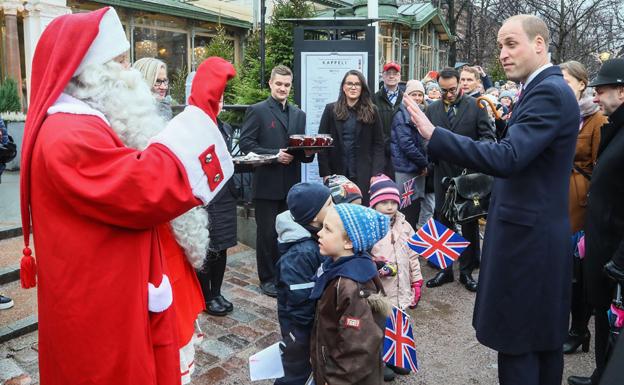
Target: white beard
127,102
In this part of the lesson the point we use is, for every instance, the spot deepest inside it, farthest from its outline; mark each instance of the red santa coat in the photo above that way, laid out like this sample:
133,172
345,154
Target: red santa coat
94,205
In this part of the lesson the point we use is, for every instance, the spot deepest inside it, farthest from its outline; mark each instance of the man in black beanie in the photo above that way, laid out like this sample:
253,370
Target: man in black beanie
299,260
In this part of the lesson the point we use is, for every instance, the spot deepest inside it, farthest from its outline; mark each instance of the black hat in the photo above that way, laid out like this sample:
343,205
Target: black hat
611,73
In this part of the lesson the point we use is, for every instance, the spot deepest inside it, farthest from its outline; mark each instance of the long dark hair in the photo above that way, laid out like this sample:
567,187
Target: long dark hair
364,108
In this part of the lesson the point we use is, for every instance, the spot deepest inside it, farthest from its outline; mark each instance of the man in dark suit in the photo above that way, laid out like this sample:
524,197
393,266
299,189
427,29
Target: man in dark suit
523,299
604,223
388,101
461,115
266,129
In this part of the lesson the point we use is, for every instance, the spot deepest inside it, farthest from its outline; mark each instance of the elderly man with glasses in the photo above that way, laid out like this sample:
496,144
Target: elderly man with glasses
461,115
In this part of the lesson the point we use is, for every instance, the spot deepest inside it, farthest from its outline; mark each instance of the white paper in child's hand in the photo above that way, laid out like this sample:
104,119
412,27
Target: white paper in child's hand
266,364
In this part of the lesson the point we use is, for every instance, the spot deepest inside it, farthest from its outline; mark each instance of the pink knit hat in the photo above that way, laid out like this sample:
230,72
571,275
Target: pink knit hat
383,188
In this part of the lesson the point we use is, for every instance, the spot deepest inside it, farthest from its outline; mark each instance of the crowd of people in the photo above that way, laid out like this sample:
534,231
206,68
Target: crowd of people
146,209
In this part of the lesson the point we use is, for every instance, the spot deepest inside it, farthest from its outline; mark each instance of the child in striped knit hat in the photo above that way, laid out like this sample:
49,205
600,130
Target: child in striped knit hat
398,265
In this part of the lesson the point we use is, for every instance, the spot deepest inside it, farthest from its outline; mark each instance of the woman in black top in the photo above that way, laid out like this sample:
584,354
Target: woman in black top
353,122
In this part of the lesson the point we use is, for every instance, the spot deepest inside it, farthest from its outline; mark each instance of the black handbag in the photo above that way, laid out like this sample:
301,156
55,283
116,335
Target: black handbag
8,151
467,197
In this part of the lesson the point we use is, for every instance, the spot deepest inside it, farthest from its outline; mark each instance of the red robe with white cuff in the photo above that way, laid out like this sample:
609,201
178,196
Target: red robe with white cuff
95,206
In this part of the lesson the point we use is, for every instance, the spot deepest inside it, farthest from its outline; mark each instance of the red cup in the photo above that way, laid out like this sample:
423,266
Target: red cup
308,140
328,139
320,140
295,140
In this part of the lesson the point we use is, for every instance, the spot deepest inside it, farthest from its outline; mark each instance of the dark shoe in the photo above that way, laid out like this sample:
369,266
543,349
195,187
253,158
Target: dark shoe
269,289
388,374
6,302
397,370
468,282
574,341
578,380
225,303
440,279
214,307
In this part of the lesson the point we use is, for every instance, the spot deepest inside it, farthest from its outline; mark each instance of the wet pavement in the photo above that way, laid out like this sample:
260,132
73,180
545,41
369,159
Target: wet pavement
448,352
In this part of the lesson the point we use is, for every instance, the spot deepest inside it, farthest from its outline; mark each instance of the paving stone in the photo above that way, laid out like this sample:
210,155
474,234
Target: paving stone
238,282
268,340
238,275
22,342
266,325
242,315
203,359
26,356
225,322
9,369
23,379
233,341
235,364
216,348
246,332
212,376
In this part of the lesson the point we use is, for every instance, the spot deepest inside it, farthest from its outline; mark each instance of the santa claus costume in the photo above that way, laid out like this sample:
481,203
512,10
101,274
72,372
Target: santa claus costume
104,297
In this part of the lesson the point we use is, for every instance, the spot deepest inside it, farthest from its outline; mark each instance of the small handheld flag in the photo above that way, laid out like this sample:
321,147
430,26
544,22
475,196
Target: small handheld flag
408,193
438,244
399,345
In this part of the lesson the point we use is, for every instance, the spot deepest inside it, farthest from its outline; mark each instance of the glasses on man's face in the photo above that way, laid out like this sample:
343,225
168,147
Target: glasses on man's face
161,83
353,85
445,91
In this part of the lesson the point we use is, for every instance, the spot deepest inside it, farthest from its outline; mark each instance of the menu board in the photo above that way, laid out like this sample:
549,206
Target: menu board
321,76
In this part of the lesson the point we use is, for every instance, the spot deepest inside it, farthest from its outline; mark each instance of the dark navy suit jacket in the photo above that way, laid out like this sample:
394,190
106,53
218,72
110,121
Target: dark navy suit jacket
523,299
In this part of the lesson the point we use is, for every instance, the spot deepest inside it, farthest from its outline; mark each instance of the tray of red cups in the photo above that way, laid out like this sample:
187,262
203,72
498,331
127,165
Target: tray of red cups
310,142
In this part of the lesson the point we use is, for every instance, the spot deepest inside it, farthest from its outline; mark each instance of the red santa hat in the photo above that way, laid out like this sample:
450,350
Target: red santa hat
66,47
209,84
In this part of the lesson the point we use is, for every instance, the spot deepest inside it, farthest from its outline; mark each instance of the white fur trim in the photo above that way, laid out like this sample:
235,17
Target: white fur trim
187,136
159,298
70,105
109,43
191,232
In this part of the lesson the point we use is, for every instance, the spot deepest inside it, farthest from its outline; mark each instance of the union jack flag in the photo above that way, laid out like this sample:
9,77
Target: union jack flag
438,243
399,346
408,192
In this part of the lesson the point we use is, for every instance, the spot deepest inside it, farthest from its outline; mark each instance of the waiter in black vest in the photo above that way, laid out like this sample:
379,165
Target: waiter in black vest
266,129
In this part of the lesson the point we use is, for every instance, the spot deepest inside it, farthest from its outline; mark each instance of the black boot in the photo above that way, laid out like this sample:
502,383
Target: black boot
225,303
441,278
468,282
578,380
575,340
214,307
388,374
398,370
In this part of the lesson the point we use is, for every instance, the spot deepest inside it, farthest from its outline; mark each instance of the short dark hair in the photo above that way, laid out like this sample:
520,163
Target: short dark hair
281,70
448,73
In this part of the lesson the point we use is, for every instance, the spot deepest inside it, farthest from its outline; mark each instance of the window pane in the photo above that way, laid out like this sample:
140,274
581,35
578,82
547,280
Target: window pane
169,47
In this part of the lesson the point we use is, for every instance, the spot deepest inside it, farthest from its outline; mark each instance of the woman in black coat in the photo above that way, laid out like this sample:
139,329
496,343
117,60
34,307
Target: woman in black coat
353,121
222,228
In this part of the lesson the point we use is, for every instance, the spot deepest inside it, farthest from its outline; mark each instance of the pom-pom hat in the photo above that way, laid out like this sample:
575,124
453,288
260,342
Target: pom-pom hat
365,227
383,188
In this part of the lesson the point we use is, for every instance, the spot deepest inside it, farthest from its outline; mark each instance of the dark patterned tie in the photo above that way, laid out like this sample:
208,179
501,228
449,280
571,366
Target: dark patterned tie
451,114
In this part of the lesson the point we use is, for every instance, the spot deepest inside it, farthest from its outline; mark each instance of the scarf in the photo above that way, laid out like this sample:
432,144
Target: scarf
359,267
586,104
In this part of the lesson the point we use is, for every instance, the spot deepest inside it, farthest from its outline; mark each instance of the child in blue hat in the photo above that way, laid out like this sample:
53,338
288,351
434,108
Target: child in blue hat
299,260
350,312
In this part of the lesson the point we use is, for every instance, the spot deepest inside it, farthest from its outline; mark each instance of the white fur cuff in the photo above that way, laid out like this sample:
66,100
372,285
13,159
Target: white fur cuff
197,142
159,298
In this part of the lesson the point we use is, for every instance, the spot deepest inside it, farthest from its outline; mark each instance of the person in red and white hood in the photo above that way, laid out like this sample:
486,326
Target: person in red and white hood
96,201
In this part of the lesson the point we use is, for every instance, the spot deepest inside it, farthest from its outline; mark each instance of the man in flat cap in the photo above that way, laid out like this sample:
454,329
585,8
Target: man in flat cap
604,224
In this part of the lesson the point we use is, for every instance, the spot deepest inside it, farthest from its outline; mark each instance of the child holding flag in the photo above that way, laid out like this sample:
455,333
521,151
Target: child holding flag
398,264
351,313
